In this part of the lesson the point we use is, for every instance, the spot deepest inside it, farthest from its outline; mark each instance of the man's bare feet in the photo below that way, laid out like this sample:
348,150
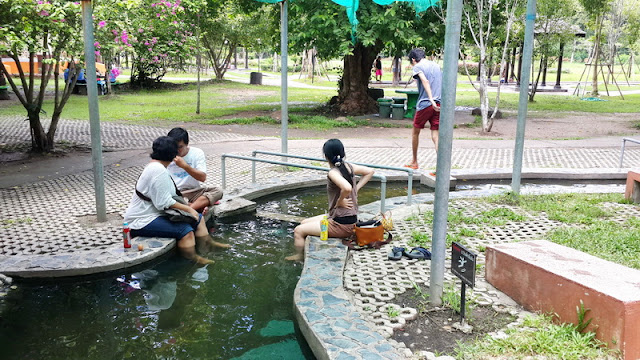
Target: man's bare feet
202,260
218,244
296,257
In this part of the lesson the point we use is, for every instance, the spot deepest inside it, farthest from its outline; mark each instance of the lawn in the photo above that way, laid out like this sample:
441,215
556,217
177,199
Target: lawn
221,100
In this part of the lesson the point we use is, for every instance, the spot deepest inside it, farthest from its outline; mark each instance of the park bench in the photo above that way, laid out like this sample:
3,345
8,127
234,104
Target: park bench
632,191
550,278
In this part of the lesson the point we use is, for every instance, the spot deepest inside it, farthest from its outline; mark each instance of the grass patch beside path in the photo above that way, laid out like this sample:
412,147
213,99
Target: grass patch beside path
538,336
607,240
567,208
218,99
307,122
599,236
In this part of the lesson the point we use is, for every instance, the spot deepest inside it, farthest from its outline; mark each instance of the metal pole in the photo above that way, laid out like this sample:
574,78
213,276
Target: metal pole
94,114
447,113
284,42
463,297
223,171
198,64
524,96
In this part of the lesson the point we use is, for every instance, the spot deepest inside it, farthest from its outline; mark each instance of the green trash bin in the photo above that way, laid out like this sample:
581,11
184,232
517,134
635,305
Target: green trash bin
384,106
399,100
397,111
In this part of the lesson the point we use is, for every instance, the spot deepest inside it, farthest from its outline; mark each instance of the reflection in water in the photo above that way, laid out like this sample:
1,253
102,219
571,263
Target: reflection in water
239,307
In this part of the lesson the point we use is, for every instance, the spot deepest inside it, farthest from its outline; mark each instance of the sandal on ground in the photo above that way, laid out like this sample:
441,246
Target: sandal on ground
396,253
411,166
419,253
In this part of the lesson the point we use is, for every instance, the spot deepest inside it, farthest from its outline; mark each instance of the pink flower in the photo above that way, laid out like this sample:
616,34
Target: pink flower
140,30
97,53
101,24
150,49
97,45
43,13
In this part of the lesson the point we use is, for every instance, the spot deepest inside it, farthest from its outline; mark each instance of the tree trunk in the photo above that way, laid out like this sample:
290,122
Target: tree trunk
395,68
353,97
596,57
487,123
4,93
630,72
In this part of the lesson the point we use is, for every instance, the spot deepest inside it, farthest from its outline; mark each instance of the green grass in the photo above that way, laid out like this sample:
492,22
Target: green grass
218,99
607,240
567,208
538,336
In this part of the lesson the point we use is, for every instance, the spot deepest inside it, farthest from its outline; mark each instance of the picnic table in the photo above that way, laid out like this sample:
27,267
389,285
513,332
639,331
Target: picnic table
412,100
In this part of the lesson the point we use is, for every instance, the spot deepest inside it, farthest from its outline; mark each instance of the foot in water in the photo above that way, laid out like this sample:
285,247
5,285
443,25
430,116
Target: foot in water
296,257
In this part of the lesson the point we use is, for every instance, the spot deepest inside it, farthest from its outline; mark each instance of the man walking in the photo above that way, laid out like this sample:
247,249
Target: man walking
189,170
429,77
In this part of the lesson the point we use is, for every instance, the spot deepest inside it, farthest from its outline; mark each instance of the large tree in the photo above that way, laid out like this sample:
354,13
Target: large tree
227,24
45,31
489,27
325,26
596,10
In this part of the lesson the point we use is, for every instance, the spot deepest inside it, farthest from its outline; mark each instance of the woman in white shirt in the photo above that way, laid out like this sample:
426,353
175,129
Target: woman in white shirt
146,218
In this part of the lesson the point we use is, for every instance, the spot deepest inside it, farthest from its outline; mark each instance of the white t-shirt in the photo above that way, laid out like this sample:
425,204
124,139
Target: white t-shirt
154,183
195,158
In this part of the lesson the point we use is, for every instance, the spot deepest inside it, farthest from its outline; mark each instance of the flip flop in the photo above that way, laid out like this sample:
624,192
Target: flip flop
432,173
419,253
396,253
410,166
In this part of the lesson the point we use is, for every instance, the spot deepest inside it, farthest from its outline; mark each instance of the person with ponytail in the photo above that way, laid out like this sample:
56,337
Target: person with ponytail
342,191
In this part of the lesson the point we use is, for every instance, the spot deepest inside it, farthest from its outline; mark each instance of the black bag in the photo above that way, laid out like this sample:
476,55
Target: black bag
174,215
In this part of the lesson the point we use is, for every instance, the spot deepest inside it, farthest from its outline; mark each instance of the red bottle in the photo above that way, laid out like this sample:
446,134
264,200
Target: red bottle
126,235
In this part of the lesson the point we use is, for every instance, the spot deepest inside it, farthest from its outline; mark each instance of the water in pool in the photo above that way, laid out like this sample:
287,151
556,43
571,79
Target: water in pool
239,307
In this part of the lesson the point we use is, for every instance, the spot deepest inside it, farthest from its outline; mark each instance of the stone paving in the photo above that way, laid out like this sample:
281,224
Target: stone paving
46,226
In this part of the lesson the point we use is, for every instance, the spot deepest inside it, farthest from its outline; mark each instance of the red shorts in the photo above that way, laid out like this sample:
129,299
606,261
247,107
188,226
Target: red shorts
427,115
378,72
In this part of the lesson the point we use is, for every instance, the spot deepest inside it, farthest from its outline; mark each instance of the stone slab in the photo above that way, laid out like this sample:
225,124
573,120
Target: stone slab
233,207
544,276
632,190
430,181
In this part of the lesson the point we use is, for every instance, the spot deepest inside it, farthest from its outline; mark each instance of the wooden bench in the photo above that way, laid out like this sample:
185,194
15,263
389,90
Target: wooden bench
551,278
632,191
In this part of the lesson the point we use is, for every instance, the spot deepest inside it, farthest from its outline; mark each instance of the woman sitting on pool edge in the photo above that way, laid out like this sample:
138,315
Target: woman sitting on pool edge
343,199
146,218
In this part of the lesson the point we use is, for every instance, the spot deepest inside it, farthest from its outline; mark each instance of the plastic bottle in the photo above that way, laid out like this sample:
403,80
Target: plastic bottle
126,235
324,228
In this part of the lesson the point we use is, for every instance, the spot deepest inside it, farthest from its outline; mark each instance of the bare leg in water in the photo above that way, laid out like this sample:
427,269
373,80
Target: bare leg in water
310,226
187,245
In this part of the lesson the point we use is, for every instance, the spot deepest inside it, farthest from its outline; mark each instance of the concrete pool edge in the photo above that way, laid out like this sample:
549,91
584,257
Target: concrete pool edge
331,325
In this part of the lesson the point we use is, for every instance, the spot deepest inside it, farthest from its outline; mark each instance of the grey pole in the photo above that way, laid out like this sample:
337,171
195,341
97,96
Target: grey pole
524,96
94,114
198,64
284,42
445,136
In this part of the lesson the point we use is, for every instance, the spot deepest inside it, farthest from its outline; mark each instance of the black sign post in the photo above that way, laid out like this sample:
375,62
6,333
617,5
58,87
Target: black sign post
463,265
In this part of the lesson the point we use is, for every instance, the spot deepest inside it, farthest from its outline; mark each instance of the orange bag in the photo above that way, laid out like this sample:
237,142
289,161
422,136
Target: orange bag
369,232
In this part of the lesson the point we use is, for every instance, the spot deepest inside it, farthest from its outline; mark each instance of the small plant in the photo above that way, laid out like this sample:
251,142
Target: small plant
420,238
451,298
468,232
392,312
419,292
482,248
582,312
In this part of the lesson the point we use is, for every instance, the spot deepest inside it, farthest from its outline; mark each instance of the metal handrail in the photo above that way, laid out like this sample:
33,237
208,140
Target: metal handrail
624,140
408,170
383,179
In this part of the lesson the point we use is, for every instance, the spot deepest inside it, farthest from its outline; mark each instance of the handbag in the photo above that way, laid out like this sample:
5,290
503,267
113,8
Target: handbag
172,214
387,221
368,234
